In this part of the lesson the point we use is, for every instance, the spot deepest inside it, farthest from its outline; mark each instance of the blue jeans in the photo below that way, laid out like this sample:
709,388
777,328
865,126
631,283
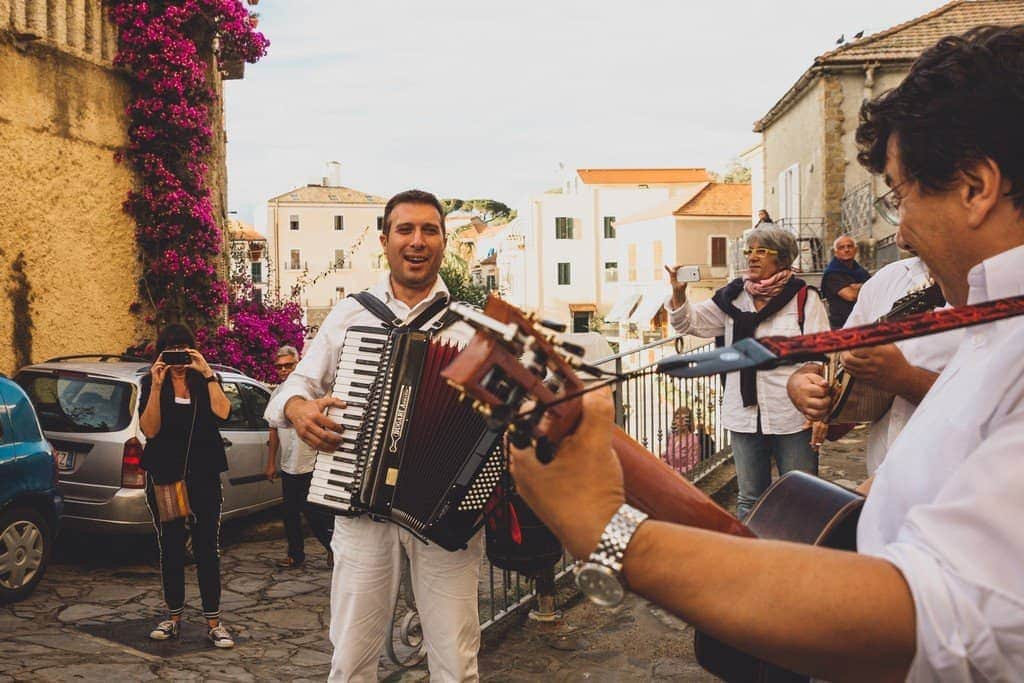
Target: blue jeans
753,456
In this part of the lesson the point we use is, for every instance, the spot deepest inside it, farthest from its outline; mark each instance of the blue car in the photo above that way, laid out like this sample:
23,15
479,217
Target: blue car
30,504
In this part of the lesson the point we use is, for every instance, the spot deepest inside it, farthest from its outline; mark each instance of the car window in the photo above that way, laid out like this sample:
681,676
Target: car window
71,402
6,433
256,403
236,419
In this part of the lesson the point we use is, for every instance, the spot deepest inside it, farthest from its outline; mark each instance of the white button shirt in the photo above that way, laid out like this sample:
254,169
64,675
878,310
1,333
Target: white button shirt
778,415
930,353
947,503
314,376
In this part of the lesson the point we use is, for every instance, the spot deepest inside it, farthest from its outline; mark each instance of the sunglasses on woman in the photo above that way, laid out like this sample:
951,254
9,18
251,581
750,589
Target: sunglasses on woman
760,251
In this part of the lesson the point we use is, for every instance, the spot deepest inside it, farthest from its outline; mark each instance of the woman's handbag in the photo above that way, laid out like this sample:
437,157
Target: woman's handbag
171,501
516,538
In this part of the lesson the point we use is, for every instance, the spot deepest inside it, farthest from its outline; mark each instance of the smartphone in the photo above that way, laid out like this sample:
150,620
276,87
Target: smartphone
688,274
176,357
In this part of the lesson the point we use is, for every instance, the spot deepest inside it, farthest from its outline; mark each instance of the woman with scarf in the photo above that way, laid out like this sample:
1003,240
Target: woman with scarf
762,421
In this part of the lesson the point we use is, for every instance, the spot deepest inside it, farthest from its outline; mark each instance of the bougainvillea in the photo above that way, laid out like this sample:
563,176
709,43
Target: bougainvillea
164,46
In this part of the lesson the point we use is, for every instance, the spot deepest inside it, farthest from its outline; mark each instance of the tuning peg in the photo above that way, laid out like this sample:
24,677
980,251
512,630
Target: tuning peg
574,349
552,325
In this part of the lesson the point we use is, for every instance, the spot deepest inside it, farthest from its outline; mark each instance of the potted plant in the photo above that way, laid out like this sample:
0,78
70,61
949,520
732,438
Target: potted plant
254,19
254,2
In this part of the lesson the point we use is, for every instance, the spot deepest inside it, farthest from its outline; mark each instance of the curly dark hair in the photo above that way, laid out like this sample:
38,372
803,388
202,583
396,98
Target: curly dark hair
411,197
962,102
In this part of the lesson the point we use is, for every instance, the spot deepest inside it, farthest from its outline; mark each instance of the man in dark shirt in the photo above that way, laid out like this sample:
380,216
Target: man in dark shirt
840,284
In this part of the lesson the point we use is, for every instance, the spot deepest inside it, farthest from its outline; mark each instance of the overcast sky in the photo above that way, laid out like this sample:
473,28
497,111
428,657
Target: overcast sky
485,99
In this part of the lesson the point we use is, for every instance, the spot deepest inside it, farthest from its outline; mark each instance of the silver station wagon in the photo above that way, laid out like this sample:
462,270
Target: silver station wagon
87,406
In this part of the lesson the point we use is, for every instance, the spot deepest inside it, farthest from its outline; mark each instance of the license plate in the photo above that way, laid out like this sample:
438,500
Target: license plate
65,460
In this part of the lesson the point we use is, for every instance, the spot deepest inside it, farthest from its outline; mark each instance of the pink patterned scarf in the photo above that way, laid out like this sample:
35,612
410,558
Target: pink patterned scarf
768,287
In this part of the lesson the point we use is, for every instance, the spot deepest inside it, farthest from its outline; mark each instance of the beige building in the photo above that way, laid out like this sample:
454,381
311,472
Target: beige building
694,230
811,179
248,256
68,256
324,244
567,266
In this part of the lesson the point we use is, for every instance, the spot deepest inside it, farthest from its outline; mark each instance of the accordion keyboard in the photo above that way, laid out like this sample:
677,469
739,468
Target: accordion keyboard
337,475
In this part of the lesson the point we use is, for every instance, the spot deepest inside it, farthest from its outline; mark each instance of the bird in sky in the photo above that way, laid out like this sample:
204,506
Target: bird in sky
858,34
841,39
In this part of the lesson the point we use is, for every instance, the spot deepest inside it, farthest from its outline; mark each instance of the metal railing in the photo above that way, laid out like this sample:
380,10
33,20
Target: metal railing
644,406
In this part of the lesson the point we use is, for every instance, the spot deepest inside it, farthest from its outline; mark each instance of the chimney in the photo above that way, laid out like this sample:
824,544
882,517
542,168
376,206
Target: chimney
333,177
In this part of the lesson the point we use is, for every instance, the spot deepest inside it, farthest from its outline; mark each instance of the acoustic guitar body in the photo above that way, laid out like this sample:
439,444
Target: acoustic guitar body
802,509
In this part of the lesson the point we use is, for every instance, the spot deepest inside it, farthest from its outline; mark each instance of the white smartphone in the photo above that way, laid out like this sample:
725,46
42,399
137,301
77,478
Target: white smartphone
688,274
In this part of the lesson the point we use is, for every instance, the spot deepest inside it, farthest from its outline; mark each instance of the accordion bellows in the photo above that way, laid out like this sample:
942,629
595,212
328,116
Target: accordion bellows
412,452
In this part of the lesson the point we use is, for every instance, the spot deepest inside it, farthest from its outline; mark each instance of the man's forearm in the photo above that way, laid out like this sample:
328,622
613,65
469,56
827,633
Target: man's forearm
916,384
831,614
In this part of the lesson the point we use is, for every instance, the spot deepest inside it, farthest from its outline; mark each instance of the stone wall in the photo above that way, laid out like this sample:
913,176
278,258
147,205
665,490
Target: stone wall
68,257
834,170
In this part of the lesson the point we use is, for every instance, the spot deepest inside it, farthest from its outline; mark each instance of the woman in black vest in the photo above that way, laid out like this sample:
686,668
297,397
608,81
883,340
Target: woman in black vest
756,409
180,407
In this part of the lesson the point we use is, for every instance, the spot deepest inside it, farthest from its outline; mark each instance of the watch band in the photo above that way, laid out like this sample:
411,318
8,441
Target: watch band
616,537
212,378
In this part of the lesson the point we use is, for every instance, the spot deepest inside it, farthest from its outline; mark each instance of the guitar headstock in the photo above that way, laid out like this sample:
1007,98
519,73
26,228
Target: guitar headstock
924,298
513,359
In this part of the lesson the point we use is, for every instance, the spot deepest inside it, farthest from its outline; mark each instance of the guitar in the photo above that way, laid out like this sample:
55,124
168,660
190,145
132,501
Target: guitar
510,362
856,402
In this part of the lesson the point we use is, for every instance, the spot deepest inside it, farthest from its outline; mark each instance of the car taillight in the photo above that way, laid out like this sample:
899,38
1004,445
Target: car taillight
132,474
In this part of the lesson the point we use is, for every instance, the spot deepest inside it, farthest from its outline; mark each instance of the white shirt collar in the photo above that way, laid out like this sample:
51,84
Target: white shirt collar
384,291
997,277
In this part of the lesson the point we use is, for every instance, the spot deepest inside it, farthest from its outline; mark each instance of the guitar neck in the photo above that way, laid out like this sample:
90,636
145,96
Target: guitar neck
657,489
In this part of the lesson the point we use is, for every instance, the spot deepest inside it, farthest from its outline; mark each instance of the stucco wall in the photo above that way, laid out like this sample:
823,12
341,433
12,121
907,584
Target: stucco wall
797,137
61,120
68,258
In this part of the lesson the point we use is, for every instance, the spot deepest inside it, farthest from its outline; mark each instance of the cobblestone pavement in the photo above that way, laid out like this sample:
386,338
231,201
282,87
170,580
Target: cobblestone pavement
89,618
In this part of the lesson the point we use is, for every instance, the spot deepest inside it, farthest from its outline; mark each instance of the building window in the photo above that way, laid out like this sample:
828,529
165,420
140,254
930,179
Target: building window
563,228
564,274
257,297
339,258
718,249
609,227
492,283
293,221
581,321
339,292
659,254
380,223
631,265
295,260
377,261
611,271
257,272
339,222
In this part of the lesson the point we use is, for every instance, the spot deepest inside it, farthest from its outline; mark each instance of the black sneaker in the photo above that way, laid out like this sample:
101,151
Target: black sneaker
221,637
165,630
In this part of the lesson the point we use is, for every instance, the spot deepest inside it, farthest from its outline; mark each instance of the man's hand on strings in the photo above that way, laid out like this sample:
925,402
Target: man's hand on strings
883,367
579,491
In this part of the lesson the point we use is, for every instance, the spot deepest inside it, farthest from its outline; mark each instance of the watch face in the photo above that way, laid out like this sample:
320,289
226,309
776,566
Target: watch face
600,584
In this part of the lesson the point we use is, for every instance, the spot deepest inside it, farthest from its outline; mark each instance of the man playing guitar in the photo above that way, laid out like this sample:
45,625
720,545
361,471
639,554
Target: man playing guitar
907,369
935,591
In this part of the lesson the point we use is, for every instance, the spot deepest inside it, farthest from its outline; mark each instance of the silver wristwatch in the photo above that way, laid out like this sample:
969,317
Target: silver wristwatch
600,576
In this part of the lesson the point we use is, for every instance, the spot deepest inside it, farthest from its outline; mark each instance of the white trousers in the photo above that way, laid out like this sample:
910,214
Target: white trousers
367,572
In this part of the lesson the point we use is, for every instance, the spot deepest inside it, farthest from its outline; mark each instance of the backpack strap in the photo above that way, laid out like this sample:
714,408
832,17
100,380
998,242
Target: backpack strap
432,310
801,304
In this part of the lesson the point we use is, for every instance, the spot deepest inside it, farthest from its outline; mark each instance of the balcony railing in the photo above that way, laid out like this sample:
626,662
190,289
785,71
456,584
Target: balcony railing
644,406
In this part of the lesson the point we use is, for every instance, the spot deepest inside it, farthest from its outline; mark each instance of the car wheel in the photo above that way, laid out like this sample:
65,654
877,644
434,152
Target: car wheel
25,545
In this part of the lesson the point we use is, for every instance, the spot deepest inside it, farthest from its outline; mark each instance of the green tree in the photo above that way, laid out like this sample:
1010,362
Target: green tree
456,276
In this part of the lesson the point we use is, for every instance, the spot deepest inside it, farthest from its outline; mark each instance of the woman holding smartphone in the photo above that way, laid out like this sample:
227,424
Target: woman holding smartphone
768,300
181,403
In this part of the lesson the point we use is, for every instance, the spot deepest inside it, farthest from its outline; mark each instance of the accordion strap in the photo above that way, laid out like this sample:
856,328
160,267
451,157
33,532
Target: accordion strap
388,317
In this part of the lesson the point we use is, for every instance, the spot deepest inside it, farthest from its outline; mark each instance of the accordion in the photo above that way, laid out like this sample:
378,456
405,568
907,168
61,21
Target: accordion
412,452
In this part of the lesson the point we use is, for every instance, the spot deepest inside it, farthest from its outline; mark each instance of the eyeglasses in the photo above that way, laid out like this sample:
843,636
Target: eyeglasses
761,251
284,366
888,205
